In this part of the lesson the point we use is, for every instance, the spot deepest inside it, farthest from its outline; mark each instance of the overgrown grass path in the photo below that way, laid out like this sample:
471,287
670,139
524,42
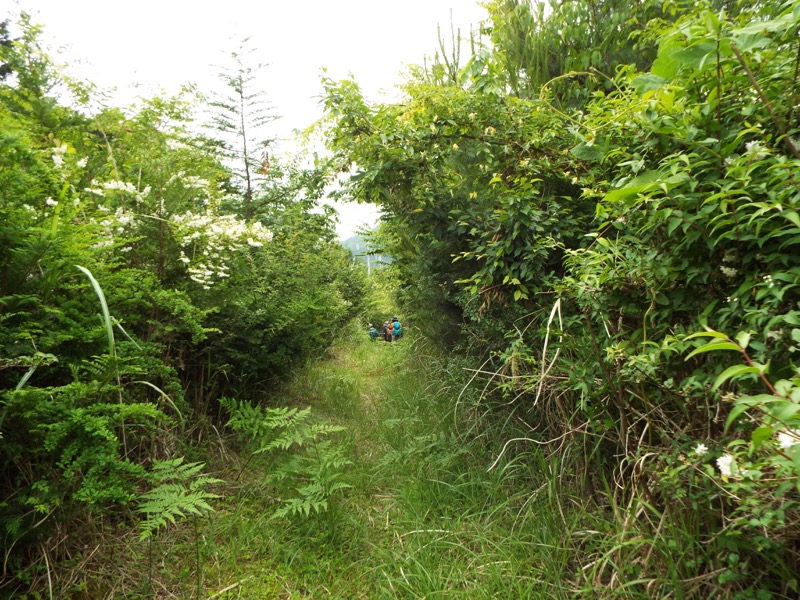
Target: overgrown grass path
422,518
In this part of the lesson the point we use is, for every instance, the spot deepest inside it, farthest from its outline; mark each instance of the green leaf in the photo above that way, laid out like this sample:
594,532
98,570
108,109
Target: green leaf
695,56
743,338
734,371
104,307
715,346
741,405
648,83
761,435
636,185
709,333
587,152
784,410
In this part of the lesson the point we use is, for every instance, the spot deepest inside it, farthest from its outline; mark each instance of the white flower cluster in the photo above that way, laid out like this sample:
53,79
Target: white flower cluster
121,186
189,181
727,465
756,149
788,438
212,238
114,224
58,155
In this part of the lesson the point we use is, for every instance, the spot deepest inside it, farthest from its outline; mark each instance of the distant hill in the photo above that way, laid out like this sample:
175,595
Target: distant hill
359,248
356,244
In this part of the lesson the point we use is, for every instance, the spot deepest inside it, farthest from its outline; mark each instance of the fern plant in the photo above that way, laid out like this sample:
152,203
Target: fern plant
311,465
181,494
321,467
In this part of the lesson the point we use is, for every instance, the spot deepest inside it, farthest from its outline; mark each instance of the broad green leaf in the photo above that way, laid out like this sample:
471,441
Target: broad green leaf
695,56
734,371
784,410
648,83
743,338
715,346
587,152
709,333
634,186
761,435
741,405
665,66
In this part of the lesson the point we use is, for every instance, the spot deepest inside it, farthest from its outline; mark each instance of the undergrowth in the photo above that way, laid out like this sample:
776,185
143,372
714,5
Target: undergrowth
422,514
419,503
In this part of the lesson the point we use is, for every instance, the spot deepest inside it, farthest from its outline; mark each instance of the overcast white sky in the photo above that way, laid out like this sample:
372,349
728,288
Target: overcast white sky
161,44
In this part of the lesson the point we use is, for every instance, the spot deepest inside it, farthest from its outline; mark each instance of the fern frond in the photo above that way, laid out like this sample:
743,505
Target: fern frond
180,493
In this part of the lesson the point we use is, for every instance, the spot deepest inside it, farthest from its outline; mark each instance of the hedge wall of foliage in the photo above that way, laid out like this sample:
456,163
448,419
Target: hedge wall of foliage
621,240
134,292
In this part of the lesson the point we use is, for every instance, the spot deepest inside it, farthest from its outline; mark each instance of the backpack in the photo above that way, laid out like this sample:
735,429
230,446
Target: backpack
396,329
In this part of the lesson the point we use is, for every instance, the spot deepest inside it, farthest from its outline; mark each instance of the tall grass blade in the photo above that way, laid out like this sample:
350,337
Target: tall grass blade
104,305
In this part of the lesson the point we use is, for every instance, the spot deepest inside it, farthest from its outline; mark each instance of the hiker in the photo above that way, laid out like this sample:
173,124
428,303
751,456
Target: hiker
373,333
397,329
387,331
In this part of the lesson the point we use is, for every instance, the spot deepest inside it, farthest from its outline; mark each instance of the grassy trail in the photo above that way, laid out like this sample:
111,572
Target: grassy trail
422,519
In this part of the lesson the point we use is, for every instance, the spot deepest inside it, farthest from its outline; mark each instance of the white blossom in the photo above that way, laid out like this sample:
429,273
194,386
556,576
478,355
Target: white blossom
58,155
788,438
727,465
756,148
701,449
728,271
212,239
51,202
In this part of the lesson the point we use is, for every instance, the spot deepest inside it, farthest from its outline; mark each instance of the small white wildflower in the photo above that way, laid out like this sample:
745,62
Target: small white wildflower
756,148
728,271
254,243
82,162
58,160
701,449
51,202
788,438
727,465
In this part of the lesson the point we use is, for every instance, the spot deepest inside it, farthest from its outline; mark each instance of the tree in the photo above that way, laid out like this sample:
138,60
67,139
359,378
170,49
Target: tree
239,118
